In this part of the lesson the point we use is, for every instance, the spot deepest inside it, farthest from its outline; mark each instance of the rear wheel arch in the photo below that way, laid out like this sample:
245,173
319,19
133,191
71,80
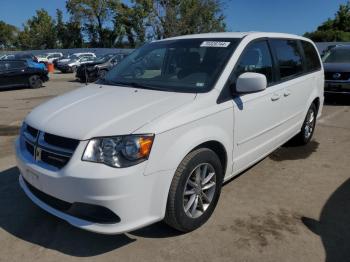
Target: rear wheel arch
316,101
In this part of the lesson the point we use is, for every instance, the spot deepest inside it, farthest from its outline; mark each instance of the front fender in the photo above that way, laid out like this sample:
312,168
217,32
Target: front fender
172,146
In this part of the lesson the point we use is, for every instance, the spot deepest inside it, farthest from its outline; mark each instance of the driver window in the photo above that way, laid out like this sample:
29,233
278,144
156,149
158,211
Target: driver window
256,58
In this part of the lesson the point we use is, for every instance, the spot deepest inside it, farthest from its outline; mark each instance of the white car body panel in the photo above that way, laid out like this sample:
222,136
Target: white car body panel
249,127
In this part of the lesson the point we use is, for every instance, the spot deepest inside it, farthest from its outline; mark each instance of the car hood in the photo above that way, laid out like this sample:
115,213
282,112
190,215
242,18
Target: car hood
336,67
97,110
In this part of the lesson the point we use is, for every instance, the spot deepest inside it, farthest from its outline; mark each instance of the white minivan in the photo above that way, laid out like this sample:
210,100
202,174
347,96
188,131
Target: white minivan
159,134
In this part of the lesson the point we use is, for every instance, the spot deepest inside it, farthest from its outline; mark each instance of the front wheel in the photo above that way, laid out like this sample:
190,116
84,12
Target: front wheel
194,191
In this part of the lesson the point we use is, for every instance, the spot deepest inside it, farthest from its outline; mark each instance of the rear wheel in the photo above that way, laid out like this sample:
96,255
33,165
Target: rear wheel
308,128
35,81
194,191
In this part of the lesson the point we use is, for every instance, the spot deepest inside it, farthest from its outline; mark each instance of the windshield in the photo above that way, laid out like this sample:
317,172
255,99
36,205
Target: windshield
86,58
337,55
65,56
104,58
73,57
185,65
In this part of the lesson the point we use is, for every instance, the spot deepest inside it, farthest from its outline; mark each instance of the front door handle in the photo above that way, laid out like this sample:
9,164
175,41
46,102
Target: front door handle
275,97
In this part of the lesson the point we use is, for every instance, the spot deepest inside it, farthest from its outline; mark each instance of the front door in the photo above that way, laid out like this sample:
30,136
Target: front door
257,116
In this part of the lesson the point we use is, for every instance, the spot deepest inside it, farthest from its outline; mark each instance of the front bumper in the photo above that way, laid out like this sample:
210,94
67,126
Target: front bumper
137,199
337,87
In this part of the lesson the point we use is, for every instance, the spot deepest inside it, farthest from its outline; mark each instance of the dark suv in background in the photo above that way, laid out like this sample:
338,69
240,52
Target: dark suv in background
337,70
21,73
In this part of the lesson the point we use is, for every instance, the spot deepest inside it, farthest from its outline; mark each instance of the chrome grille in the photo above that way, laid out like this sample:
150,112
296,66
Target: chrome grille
50,149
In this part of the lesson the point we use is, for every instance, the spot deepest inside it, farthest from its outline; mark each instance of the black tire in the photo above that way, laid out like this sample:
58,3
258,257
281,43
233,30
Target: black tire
305,134
176,216
35,81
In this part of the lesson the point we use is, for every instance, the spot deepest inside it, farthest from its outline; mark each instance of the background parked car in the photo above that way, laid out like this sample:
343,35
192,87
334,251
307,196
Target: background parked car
90,72
65,58
337,70
72,64
49,57
16,73
25,56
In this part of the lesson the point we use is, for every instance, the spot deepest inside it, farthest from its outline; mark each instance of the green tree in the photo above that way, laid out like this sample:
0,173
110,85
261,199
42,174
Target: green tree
95,17
157,19
180,17
39,32
336,29
68,34
8,35
60,28
73,35
131,22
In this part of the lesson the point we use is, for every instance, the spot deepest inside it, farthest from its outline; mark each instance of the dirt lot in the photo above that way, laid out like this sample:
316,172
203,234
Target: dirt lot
292,206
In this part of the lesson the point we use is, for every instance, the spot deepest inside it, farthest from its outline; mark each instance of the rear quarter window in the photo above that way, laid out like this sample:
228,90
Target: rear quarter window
312,59
289,57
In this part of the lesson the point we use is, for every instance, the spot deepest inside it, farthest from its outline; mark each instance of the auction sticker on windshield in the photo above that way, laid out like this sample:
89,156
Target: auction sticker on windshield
215,44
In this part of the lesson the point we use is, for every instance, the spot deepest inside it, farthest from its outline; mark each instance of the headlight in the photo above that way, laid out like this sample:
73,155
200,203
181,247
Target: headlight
119,151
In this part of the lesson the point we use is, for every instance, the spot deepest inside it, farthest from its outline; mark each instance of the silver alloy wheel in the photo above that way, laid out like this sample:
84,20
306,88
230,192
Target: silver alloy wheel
199,190
309,125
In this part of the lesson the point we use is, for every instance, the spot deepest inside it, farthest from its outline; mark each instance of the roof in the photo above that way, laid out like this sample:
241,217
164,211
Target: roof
237,35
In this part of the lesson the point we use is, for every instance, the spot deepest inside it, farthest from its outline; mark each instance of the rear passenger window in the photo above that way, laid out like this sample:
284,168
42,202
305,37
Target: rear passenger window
311,57
256,58
289,57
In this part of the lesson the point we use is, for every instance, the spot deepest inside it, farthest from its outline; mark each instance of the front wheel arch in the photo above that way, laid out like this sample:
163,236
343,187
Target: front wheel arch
218,149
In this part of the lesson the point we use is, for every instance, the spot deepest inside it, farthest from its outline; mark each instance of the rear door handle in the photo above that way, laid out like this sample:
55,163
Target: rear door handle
275,97
287,93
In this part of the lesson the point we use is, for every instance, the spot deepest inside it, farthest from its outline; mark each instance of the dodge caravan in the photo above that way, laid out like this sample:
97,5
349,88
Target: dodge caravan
158,135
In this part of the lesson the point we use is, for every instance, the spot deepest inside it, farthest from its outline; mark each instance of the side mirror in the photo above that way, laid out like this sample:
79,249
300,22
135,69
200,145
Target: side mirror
251,82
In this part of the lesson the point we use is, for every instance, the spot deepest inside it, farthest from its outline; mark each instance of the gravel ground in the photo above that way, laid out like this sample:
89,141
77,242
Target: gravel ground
292,206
